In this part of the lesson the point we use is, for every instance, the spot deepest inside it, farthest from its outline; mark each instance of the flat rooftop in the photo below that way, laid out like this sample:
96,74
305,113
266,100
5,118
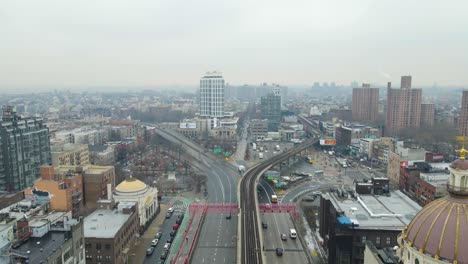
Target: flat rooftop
104,223
37,249
377,212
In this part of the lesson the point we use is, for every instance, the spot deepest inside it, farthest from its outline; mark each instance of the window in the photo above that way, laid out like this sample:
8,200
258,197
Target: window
88,245
108,246
363,239
89,257
99,258
416,261
108,258
377,240
98,246
389,240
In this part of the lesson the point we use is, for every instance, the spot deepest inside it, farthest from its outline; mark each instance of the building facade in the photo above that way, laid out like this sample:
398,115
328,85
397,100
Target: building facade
69,154
212,95
427,115
65,190
24,145
403,108
463,121
270,109
365,104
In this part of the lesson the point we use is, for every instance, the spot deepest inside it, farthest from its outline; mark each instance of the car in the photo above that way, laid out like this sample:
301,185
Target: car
167,246
170,239
154,242
168,215
279,251
228,216
150,251
158,235
179,221
170,210
172,233
284,237
175,226
164,255
308,198
264,225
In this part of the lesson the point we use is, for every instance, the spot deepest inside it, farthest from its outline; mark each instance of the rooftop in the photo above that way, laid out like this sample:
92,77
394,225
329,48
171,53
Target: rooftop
104,223
37,249
377,212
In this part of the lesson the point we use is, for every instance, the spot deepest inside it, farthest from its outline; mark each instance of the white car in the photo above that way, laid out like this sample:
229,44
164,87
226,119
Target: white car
167,246
154,242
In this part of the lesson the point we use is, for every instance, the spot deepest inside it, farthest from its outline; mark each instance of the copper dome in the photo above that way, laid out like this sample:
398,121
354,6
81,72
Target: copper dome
460,164
440,229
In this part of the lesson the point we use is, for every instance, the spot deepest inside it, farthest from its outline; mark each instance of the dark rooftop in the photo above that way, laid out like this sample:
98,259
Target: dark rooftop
36,250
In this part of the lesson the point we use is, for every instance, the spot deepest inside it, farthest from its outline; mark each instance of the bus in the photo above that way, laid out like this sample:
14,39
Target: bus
274,198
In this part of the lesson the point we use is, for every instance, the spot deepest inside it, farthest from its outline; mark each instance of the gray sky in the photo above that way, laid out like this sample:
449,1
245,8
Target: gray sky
120,42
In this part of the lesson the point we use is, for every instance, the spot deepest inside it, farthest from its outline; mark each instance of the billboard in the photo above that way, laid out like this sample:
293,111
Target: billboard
188,125
327,142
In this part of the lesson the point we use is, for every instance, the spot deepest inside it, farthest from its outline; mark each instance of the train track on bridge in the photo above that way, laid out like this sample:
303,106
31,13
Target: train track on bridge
251,249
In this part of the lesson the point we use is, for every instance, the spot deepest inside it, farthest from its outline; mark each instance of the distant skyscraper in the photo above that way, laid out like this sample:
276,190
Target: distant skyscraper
24,145
403,107
270,108
427,115
212,95
365,105
463,121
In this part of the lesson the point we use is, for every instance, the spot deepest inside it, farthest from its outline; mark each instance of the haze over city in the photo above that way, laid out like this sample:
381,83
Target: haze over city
157,43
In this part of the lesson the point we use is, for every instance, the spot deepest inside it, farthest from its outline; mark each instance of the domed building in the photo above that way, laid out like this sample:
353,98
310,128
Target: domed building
134,190
439,232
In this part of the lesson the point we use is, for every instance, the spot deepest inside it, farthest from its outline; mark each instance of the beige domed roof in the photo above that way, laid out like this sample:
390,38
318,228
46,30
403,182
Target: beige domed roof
440,229
131,185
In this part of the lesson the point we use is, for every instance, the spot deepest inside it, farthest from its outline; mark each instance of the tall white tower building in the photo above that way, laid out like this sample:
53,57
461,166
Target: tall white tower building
212,95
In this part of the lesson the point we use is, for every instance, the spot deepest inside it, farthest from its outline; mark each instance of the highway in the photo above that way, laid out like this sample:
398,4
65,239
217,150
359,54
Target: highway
217,233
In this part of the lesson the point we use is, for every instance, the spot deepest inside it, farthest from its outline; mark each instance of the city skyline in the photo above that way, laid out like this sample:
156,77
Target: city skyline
158,43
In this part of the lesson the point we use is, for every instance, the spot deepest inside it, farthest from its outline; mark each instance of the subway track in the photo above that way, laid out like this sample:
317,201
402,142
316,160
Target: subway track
251,251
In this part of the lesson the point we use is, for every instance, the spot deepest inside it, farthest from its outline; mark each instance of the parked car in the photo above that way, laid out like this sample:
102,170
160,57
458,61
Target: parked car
164,255
167,246
172,233
228,216
279,251
154,242
170,239
158,235
175,226
264,225
150,251
170,210
168,215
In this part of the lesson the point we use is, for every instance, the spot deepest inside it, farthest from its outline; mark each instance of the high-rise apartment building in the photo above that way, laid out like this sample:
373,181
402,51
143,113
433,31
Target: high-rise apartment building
212,95
427,115
365,105
24,145
403,107
270,108
463,121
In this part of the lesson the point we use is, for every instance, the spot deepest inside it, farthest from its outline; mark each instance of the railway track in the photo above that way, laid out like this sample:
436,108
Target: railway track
251,251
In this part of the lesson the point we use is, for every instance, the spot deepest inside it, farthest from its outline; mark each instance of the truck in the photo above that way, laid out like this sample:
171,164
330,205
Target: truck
277,147
274,198
254,146
260,155
261,149
241,169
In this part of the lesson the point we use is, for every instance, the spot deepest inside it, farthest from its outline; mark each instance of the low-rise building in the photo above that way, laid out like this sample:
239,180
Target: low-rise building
110,233
258,128
373,255
95,181
348,219
53,239
65,190
102,155
431,186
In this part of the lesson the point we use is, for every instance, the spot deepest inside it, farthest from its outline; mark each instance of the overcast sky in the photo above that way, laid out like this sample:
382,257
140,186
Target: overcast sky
173,42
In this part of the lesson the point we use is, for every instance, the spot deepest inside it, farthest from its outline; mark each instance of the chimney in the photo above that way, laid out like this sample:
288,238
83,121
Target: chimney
109,191
389,85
